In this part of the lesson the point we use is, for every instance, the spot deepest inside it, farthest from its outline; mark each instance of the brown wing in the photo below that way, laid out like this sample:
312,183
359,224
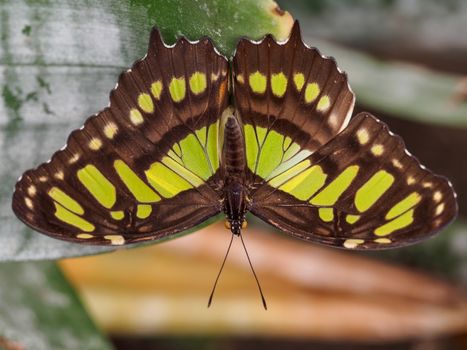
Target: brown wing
144,167
361,190
291,100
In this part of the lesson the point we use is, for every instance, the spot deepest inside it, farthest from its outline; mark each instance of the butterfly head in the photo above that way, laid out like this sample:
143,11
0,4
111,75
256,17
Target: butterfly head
236,226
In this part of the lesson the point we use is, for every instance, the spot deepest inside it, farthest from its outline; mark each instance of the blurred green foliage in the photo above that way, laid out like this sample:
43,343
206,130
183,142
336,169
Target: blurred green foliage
40,310
223,21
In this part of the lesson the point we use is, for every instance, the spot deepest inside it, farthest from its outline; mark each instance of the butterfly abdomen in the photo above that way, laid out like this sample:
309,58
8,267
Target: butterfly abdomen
234,160
234,163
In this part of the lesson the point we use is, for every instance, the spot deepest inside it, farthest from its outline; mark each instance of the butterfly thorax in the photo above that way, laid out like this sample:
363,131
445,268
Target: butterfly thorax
234,163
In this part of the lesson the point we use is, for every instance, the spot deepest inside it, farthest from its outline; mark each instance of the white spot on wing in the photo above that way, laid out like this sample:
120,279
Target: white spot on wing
32,190
437,196
95,144
74,158
28,203
363,136
110,130
377,150
352,243
397,163
115,239
439,209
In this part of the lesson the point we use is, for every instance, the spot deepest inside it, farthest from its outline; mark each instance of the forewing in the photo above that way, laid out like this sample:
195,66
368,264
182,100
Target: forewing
290,98
146,166
361,190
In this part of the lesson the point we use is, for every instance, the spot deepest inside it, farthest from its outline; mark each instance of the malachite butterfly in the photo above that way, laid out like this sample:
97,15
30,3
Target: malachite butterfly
189,135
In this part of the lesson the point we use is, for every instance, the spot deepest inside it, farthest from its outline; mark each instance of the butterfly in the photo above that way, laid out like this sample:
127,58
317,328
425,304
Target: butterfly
189,135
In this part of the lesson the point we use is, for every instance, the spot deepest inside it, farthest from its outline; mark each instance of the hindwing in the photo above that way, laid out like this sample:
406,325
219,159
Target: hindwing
360,190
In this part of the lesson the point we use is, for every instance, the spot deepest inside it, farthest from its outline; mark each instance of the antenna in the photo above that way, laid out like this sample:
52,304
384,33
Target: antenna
254,274
252,269
220,271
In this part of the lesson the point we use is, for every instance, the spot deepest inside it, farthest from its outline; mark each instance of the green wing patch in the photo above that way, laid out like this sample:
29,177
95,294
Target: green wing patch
146,166
361,190
269,152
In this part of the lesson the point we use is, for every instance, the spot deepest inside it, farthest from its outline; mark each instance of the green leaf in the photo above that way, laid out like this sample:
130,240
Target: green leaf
39,310
223,21
58,62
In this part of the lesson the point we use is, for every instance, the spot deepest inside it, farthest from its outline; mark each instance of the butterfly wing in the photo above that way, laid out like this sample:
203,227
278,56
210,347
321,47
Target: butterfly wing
358,188
291,101
146,166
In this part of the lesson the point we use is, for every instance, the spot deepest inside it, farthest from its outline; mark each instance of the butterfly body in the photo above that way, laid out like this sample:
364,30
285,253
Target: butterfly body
235,191
187,135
